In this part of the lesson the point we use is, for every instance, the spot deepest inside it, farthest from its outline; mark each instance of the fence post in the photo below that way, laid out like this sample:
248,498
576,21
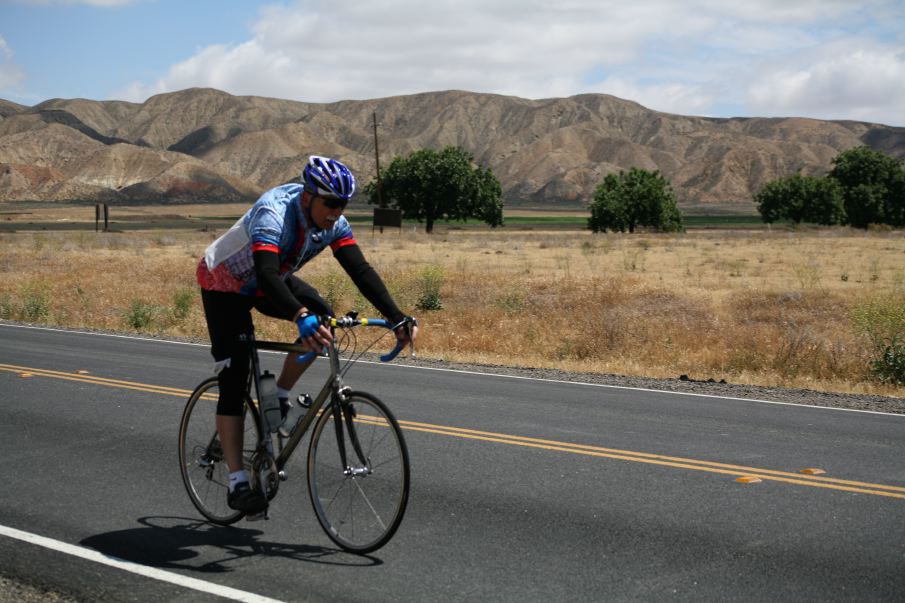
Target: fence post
98,208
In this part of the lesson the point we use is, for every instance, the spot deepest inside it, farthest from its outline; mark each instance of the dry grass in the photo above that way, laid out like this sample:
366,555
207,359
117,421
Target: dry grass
767,308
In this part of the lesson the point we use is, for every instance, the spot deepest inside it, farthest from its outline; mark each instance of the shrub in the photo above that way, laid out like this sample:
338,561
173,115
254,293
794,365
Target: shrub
140,315
7,308
37,303
889,366
882,319
182,303
429,282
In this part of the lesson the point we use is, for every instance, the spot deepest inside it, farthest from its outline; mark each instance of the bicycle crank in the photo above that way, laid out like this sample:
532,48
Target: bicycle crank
265,474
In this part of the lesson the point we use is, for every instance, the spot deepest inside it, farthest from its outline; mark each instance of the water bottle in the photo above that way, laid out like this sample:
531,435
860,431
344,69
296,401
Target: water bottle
269,401
295,414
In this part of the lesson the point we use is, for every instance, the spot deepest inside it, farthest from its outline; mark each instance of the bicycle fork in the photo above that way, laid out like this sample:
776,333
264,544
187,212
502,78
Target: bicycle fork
344,413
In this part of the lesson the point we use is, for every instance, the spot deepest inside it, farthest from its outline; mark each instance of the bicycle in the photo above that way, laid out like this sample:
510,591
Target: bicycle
357,465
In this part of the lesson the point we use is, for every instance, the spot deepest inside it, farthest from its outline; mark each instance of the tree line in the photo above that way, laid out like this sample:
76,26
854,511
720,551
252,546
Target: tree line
864,187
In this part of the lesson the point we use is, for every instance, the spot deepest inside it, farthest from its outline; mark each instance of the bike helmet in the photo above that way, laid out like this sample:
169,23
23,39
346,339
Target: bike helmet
327,177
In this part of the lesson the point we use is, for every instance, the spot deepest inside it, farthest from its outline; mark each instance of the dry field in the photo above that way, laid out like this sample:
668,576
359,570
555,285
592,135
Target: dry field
780,308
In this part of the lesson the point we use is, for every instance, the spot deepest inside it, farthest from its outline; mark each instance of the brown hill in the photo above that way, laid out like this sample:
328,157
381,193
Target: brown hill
206,144
8,108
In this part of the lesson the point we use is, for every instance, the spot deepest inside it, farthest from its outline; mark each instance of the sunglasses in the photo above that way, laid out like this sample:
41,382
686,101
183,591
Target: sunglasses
334,203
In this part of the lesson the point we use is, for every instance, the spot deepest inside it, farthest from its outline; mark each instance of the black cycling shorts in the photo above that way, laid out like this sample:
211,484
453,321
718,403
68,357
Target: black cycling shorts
229,323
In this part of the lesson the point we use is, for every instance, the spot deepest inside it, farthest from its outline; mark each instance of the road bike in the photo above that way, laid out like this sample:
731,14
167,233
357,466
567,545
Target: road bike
357,465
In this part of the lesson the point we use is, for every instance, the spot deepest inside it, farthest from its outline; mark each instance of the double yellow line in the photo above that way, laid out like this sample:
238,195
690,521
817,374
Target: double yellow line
741,472
85,377
665,461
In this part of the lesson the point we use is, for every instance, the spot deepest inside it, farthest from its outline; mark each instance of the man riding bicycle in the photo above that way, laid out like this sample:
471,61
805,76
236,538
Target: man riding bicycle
252,266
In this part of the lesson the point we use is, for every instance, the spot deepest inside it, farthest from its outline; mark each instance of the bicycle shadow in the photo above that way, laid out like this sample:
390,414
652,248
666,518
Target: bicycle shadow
178,541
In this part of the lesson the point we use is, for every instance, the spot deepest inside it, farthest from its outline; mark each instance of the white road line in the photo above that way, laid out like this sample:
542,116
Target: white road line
489,374
135,568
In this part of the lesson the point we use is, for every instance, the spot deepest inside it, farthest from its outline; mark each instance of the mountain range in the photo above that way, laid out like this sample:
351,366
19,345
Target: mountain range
207,145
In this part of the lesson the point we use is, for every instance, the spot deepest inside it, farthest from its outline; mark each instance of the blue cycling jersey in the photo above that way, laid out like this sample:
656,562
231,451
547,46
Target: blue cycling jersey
275,222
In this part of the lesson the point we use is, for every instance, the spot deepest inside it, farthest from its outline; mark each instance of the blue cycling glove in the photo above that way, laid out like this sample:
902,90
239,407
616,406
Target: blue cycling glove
308,325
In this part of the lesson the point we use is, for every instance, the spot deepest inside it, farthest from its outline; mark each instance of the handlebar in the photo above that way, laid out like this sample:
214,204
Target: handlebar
351,321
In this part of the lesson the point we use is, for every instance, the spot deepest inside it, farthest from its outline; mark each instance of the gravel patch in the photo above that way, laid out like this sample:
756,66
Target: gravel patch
18,592
684,384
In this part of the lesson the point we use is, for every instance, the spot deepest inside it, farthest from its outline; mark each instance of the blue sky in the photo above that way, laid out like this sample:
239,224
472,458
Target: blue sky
828,59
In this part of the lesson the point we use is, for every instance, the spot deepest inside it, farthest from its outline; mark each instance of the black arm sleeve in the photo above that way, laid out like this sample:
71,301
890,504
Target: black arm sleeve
368,281
267,271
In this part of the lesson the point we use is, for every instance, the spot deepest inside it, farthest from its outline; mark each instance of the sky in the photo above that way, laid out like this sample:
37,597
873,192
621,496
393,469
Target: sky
825,59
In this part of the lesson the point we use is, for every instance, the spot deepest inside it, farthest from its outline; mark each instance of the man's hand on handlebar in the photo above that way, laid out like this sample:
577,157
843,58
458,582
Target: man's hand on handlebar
407,332
311,332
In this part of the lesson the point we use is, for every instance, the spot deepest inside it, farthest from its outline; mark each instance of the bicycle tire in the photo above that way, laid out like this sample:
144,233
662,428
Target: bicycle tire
361,511
203,468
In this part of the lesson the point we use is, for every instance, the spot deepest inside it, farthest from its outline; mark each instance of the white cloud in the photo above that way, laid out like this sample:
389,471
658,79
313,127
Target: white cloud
10,74
686,99
685,57
865,82
318,52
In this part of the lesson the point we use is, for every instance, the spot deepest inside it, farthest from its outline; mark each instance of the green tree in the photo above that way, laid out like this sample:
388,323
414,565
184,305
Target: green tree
873,189
635,198
801,199
430,185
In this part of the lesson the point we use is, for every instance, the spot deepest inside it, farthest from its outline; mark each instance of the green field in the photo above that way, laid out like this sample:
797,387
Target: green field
75,216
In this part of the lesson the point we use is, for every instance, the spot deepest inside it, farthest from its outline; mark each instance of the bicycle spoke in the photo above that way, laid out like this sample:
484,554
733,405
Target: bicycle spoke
203,468
359,510
374,511
386,462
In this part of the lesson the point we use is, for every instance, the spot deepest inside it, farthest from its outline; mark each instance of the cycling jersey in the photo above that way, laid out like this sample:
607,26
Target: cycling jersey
275,223
252,266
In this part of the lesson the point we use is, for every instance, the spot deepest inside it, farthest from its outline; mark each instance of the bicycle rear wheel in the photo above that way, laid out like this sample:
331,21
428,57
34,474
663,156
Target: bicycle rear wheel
203,468
359,504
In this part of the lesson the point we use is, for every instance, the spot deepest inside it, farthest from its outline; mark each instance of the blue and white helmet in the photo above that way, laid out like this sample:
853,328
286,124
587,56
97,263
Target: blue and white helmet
327,177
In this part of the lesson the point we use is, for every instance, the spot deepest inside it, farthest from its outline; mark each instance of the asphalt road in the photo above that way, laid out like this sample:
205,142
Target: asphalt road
522,490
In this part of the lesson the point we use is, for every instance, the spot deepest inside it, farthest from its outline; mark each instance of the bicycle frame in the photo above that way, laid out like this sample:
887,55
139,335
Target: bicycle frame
357,463
334,388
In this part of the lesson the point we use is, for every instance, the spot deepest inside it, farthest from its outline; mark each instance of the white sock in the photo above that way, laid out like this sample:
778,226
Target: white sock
282,393
237,477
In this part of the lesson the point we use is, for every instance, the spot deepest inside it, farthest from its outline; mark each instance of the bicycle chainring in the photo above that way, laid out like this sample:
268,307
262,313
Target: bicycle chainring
265,474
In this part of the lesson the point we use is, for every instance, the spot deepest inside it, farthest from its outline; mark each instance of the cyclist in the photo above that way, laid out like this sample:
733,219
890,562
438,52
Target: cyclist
252,266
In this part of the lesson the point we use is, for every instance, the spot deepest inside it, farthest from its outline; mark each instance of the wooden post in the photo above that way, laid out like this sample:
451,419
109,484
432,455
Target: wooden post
377,162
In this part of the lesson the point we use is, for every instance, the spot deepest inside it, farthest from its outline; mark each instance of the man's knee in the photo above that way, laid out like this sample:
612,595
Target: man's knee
233,381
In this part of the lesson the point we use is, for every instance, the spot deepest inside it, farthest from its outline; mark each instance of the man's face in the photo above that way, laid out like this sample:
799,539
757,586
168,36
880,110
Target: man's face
324,212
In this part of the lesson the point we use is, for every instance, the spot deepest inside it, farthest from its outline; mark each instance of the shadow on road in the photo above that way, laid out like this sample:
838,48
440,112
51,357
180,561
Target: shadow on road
183,543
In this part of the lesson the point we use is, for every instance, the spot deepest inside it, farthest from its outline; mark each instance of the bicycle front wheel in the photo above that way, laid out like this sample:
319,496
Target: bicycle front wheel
359,502
204,470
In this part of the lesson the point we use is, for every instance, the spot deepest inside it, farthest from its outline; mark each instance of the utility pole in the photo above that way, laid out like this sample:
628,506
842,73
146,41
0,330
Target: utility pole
377,161
383,216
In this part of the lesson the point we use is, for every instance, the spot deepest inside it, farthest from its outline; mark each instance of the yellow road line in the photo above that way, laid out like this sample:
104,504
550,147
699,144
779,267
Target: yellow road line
816,481
639,456
156,389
